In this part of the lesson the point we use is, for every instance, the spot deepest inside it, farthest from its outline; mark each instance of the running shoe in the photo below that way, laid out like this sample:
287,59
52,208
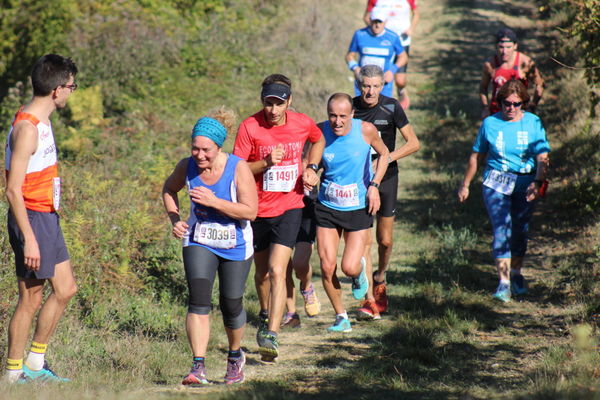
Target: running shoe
268,346
43,375
379,292
290,320
18,380
368,311
360,284
312,305
263,325
197,375
341,324
518,285
502,293
235,370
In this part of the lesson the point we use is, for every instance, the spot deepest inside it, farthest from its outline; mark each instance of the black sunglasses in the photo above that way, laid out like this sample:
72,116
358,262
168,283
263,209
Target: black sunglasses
515,104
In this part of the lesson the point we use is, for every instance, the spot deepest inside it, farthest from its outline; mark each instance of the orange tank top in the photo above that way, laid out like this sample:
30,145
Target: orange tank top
41,188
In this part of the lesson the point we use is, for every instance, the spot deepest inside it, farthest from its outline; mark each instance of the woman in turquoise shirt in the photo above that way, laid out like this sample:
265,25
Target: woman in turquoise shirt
513,144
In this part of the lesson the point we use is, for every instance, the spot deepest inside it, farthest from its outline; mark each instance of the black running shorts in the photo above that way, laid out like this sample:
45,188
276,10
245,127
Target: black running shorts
282,230
308,226
349,221
388,193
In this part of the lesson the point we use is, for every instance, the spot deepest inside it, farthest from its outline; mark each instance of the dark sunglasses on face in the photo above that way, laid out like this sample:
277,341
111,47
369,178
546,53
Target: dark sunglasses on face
515,104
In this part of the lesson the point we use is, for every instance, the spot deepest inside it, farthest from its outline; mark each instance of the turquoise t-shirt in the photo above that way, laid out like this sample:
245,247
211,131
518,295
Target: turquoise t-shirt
512,146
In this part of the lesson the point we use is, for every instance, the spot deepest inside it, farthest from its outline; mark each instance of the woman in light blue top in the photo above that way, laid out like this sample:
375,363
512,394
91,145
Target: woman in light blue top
513,145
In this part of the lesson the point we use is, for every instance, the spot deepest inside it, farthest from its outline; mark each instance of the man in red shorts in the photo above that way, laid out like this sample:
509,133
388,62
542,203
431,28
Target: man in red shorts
272,141
507,64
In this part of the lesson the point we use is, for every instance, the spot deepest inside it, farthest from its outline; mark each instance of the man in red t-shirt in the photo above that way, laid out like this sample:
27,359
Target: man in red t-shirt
271,141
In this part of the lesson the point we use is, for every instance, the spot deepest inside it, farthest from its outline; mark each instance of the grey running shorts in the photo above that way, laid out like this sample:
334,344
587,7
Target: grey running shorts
53,250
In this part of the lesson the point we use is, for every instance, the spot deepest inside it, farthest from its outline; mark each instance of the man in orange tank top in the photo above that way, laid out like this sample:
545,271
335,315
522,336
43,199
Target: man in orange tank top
33,193
505,65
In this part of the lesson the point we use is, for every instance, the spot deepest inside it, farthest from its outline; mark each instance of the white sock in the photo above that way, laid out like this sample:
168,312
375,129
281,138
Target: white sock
504,282
35,358
35,361
12,375
343,315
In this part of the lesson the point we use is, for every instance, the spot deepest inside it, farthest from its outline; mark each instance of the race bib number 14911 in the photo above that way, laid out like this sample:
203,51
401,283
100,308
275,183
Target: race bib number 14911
280,178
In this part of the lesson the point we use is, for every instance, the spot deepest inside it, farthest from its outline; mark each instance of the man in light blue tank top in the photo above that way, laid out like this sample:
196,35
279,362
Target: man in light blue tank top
348,199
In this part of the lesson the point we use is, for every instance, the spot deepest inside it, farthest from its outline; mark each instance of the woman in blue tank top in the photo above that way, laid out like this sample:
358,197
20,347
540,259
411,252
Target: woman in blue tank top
217,238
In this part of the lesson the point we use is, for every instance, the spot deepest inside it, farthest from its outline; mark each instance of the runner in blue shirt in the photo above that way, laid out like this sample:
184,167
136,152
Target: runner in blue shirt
375,45
348,198
217,238
513,145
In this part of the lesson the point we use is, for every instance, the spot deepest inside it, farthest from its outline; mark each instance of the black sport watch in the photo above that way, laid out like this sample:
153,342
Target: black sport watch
314,167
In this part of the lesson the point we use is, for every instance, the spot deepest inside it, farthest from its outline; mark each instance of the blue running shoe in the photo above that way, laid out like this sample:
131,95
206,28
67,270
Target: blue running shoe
518,285
340,325
502,293
43,375
360,284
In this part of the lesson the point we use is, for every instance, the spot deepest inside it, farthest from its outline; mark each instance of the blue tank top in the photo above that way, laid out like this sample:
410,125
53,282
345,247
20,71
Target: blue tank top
226,237
347,169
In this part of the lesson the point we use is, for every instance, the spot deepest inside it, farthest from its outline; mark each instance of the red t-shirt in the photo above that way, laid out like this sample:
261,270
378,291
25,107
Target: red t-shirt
256,139
373,3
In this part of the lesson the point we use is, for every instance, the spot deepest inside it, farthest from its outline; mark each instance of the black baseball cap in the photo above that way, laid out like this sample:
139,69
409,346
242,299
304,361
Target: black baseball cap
505,33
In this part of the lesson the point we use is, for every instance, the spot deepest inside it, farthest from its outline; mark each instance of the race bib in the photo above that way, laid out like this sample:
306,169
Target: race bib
213,234
342,196
373,152
368,60
280,178
56,193
503,182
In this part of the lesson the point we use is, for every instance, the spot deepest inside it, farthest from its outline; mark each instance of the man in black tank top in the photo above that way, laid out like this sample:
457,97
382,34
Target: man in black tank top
388,116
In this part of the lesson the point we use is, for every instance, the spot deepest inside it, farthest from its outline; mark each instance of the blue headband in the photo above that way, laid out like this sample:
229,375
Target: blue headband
210,128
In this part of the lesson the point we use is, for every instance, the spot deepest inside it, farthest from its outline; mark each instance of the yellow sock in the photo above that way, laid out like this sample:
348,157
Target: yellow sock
14,365
14,370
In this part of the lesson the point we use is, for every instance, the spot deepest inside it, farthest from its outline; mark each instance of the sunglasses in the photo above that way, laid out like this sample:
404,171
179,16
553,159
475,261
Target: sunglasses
515,104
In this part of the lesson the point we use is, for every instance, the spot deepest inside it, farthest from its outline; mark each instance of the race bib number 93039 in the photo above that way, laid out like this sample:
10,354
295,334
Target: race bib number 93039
213,234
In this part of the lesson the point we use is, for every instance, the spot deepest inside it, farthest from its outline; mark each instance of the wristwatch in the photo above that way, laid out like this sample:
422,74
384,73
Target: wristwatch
374,184
314,167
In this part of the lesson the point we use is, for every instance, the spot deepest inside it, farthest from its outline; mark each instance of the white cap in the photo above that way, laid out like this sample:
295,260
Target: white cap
379,13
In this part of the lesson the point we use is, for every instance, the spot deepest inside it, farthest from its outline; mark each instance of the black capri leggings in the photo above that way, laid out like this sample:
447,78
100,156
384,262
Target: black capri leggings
201,266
